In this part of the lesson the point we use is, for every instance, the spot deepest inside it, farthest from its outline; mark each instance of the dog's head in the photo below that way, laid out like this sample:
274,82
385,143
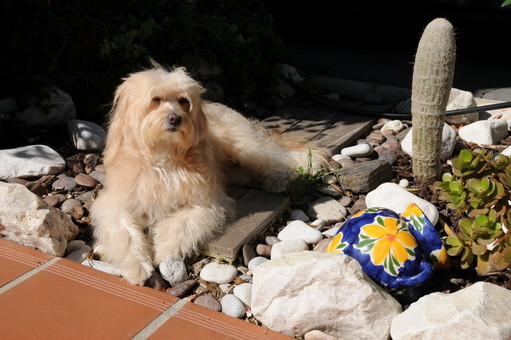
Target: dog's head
157,111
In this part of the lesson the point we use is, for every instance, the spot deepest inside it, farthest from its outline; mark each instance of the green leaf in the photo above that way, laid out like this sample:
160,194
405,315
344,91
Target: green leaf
454,251
447,177
453,241
466,155
482,220
478,249
506,3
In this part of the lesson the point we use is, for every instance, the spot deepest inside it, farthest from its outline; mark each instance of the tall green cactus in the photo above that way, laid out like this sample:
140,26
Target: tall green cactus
433,74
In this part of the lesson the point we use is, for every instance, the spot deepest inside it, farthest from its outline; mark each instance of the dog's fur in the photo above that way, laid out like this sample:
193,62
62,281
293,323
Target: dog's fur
167,158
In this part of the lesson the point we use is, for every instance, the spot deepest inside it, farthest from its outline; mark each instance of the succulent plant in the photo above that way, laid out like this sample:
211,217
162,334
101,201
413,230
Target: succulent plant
479,190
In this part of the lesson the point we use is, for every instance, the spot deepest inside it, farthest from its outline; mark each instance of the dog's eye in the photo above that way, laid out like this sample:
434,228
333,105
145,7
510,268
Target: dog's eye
156,100
183,101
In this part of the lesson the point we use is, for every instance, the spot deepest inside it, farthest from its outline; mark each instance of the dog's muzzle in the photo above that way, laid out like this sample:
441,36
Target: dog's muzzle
174,121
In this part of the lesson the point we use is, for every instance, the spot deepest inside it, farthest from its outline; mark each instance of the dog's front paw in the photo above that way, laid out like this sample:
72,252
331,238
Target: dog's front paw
137,274
276,181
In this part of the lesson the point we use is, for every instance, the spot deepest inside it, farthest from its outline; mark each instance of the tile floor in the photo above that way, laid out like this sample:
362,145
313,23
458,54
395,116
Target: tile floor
46,297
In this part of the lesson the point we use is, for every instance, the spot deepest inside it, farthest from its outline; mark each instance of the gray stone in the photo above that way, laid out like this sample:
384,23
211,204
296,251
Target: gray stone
173,270
30,161
208,301
28,220
69,204
87,136
327,209
232,306
248,254
64,183
366,176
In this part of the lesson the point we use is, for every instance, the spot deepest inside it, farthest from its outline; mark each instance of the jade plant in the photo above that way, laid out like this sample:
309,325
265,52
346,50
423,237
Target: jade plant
479,190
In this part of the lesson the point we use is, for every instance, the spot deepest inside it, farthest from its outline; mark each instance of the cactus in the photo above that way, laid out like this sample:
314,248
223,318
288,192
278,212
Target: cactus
433,74
479,190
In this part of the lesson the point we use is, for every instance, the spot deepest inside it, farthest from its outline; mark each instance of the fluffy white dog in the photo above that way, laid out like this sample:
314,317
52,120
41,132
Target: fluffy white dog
167,159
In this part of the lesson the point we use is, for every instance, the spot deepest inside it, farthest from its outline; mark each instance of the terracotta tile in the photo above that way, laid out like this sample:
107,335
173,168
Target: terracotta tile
196,322
16,260
68,300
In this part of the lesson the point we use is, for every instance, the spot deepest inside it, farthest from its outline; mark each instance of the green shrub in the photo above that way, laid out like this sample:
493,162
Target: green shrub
479,190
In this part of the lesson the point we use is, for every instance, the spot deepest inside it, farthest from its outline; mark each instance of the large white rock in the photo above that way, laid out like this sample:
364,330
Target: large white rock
87,136
32,160
446,149
300,229
480,311
484,132
394,197
28,220
57,109
459,99
307,291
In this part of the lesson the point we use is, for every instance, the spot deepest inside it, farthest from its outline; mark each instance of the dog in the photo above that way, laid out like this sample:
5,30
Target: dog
168,159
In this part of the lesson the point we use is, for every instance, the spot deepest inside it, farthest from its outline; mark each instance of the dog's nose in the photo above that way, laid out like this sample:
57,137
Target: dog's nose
174,119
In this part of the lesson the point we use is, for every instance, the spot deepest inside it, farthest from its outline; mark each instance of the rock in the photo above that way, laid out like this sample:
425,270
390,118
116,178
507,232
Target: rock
98,176
57,108
288,246
318,335
232,306
263,250
78,254
86,136
299,229
298,214
376,137
86,196
182,288
255,262
155,281
244,293
322,245
446,149
208,301
64,183
86,181
173,270
395,125
459,99
484,132
480,311
320,223
404,183
396,198
506,151
102,266
327,209
28,220
218,272
248,254
338,157
69,204
341,300
271,240
51,200
30,161
366,176
386,154
329,179
359,150
290,72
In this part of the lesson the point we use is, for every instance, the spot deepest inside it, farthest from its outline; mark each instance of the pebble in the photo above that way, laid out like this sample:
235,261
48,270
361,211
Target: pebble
386,154
64,183
51,200
208,301
173,270
263,250
256,262
86,196
218,273
288,246
86,181
298,214
98,175
328,209
338,157
404,183
69,204
321,245
347,163
396,125
79,254
244,293
359,150
248,254
182,288
271,240
299,229
329,179
332,231
345,201
102,266
318,223
232,306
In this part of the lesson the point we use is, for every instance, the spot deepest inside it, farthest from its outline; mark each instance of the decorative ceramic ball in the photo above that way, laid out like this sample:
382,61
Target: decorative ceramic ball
396,251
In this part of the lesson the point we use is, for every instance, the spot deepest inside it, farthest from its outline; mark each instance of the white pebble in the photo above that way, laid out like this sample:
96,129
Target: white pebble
359,150
102,266
319,223
404,183
299,229
288,246
298,214
332,231
232,306
218,273
395,125
338,157
173,270
255,262
244,293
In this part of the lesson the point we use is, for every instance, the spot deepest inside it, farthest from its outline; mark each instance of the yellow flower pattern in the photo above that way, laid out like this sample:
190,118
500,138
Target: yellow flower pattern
388,242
